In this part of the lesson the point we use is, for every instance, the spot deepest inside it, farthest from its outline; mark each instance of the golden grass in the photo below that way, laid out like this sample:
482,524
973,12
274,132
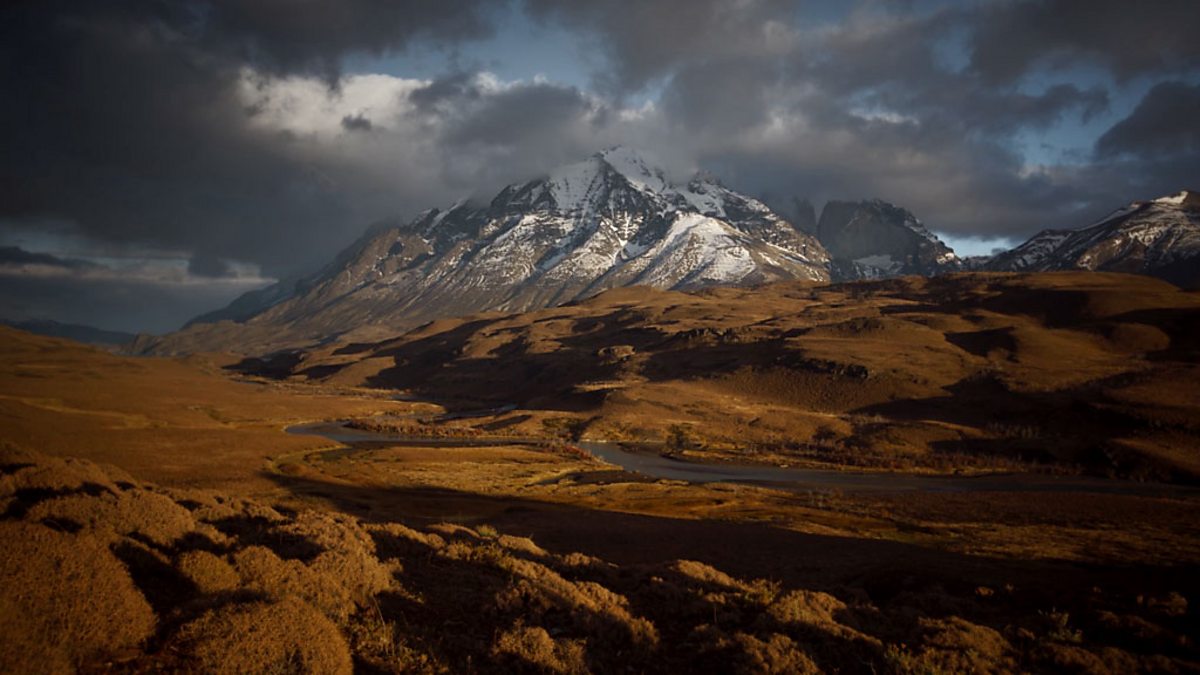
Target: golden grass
266,552
184,579
264,638
907,374
65,601
182,422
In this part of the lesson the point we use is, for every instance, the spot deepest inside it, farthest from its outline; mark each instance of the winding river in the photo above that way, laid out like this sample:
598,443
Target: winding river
658,466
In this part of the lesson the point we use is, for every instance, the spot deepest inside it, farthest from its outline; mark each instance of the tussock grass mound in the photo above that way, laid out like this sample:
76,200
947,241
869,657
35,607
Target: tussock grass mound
101,572
288,636
64,600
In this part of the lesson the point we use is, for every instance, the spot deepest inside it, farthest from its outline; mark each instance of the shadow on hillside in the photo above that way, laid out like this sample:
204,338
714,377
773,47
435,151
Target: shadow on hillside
599,349
747,550
433,367
481,364
909,583
1074,426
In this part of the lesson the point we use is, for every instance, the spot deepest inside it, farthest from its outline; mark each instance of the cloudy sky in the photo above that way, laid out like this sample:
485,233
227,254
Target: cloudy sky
159,157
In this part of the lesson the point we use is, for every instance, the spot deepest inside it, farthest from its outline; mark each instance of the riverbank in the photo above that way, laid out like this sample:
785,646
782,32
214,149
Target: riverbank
659,466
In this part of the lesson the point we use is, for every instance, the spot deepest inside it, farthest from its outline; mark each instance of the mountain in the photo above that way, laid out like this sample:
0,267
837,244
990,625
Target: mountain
1160,238
799,211
72,331
874,239
611,220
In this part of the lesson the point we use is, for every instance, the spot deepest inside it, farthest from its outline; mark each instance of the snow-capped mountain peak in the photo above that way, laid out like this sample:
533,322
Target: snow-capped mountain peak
597,180
636,168
612,219
1160,237
1183,198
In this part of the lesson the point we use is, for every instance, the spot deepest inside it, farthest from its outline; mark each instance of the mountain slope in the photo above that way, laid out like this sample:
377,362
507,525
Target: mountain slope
1160,238
874,239
612,220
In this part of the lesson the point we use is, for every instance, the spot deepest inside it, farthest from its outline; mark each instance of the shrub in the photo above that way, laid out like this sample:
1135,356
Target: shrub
208,572
64,600
533,648
152,517
288,636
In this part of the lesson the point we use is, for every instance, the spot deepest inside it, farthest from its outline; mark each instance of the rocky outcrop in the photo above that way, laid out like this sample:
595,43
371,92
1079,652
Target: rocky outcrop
875,239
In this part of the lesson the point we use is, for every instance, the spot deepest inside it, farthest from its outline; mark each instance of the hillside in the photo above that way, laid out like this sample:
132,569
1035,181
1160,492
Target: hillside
179,420
155,516
1075,370
103,571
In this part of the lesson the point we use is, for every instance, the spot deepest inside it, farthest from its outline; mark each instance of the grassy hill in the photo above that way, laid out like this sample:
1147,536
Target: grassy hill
1069,371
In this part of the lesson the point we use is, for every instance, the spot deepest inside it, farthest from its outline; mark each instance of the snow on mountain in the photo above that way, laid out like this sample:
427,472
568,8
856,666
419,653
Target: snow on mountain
613,219
1160,238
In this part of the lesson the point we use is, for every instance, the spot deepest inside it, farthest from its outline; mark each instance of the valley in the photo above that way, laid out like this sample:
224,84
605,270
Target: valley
1060,373
972,472
550,337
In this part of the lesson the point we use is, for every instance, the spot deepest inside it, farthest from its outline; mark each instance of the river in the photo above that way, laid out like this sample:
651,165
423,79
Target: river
658,466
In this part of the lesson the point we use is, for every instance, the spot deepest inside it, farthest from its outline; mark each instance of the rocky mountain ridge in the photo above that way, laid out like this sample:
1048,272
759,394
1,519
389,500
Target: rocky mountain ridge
616,220
873,239
1160,238
611,220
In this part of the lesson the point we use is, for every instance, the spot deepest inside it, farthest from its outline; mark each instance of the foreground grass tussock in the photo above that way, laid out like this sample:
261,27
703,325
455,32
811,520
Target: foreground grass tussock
99,571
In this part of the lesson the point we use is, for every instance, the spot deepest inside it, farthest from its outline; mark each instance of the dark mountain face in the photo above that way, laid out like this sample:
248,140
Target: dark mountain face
800,212
1160,238
873,239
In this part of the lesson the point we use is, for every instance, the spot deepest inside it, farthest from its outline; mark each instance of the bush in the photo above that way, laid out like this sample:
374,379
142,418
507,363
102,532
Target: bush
288,636
64,600
534,649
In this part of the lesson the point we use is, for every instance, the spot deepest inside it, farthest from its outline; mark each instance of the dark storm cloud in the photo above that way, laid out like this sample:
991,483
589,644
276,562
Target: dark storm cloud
1125,37
896,65
1155,150
314,35
356,123
126,119
13,256
1165,123
454,88
644,41
208,266
932,108
524,113
720,96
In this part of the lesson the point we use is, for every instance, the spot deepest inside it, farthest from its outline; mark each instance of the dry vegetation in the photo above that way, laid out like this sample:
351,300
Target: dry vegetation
180,421
253,550
104,572
1066,371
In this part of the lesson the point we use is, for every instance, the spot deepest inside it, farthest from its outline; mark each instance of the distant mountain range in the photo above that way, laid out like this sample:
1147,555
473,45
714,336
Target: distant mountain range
72,331
1160,238
615,220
